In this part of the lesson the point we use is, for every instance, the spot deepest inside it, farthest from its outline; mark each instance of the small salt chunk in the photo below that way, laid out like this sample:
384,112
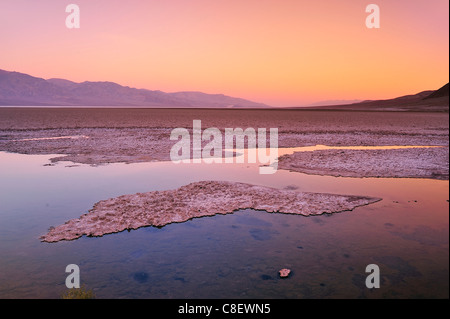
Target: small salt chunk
284,273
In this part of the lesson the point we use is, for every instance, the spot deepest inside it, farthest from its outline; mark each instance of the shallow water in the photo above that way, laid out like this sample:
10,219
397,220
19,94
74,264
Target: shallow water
232,256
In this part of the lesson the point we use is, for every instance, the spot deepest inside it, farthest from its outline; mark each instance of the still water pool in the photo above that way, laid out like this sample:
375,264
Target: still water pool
232,256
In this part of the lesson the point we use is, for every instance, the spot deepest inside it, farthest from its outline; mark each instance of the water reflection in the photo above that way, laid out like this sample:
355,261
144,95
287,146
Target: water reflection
230,256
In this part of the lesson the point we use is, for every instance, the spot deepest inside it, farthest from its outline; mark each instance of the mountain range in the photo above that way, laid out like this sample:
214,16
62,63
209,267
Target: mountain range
425,101
18,89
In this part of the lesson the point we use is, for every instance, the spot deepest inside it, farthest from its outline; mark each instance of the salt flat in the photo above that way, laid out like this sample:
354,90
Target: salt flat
141,135
101,136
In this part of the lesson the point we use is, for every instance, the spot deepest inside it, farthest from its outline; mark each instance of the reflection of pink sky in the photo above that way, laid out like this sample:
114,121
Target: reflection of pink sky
278,52
180,174
405,201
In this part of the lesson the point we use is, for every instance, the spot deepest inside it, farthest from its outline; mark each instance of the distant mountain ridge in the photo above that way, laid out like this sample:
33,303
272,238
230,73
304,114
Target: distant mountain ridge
333,102
442,92
19,89
425,101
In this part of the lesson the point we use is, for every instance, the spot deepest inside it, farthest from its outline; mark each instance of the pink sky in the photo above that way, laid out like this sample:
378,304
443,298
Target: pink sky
283,53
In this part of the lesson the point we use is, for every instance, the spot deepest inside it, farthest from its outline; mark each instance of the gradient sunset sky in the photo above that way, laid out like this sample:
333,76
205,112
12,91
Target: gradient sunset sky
282,53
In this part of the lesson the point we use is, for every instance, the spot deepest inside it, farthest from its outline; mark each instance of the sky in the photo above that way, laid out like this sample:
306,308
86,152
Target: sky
278,52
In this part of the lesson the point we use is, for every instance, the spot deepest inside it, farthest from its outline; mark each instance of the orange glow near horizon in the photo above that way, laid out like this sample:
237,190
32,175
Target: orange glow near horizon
282,53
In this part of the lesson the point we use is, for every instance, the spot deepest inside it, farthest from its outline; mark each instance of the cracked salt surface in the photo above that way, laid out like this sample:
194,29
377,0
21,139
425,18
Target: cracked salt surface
369,161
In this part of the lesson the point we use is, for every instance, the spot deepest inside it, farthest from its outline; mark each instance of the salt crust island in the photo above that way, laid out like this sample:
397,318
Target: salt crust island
205,198
421,162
